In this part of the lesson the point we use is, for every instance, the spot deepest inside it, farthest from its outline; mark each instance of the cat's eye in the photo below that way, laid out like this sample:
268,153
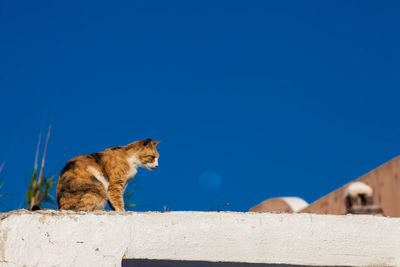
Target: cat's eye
152,157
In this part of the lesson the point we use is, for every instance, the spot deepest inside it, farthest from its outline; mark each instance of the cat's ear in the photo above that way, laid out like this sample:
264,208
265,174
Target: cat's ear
147,142
155,143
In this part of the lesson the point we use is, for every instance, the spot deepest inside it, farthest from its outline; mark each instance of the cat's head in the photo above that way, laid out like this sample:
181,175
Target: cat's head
147,154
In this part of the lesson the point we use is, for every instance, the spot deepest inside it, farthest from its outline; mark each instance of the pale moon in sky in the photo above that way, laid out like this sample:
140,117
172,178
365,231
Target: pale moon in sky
210,180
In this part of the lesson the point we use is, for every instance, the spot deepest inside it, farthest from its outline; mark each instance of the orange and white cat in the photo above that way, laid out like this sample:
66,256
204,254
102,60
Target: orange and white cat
87,182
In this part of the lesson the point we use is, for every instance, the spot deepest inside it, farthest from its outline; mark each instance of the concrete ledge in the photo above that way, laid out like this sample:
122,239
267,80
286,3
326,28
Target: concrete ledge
62,238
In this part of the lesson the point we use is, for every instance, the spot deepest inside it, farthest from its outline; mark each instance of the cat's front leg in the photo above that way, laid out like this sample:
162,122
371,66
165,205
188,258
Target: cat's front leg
115,197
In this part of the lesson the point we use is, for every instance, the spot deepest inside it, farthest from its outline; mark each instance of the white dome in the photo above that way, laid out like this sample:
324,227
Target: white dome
358,188
295,203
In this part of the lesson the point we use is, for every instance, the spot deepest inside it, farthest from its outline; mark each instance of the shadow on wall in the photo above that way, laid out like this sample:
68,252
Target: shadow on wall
168,263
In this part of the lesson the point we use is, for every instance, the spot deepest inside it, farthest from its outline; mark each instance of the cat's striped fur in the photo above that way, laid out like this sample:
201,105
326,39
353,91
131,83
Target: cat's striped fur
87,182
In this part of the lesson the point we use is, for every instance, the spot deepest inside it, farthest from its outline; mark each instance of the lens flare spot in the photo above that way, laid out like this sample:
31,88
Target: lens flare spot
210,180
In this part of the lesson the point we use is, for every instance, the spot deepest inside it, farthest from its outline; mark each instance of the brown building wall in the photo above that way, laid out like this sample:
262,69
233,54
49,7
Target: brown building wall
272,205
385,182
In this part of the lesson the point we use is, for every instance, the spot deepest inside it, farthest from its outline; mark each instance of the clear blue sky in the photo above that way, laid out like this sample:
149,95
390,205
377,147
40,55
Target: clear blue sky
251,99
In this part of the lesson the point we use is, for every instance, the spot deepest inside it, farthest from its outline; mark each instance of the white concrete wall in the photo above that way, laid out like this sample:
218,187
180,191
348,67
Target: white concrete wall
48,238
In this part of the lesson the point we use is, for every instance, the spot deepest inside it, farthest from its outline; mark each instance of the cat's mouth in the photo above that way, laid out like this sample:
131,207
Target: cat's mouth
150,167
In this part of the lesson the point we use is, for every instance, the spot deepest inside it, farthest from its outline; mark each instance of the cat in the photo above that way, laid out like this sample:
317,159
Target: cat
88,182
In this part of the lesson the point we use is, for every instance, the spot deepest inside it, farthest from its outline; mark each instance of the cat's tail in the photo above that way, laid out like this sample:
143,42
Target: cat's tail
35,207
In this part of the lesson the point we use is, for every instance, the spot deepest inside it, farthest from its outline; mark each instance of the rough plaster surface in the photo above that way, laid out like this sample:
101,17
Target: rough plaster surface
47,238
